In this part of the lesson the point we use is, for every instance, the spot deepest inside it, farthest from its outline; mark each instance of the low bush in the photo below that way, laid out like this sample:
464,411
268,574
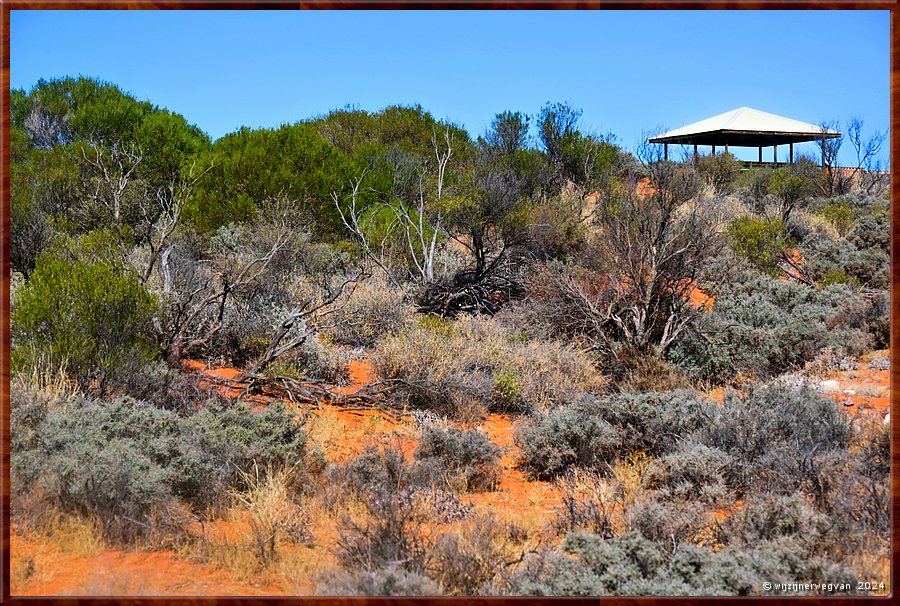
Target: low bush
840,214
467,560
772,435
461,369
753,186
392,534
771,517
872,230
694,471
126,461
631,564
372,310
466,461
669,523
635,370
565,437
720,171
391,580
374,471
592,432
826,258
765,327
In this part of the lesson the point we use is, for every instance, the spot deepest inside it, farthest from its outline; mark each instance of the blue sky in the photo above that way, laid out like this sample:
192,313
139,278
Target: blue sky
630,71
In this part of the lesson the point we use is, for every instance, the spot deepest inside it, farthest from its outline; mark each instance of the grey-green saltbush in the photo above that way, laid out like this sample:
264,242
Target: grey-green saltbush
122,461
592,432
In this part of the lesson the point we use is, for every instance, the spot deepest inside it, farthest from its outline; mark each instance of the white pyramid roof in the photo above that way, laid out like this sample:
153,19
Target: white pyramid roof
746,120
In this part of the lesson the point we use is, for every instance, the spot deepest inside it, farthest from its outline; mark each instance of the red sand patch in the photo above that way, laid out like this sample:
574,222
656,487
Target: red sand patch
865,389
517,496
361,374
698,298
645,188
114,572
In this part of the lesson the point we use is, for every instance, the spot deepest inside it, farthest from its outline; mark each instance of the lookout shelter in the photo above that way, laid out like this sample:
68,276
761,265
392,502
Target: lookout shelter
746,127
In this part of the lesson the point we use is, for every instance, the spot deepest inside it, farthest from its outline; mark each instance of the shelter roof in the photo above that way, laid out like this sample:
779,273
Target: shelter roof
746,127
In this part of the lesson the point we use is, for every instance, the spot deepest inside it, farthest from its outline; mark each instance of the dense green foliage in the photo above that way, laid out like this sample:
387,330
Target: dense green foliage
251,167
89,318
761,241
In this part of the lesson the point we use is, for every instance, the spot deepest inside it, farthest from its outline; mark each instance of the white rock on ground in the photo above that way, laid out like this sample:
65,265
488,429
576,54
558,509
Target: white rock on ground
830,386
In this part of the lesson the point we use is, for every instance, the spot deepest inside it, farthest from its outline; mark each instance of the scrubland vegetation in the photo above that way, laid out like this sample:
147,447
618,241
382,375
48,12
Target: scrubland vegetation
652,334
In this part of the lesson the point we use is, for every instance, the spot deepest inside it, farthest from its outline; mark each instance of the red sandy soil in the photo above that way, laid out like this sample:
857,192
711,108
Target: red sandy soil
114,572
864,389
699,298
165,573
644,188
515,496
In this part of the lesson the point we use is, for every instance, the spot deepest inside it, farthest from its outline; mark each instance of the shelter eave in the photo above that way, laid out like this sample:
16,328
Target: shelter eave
744,138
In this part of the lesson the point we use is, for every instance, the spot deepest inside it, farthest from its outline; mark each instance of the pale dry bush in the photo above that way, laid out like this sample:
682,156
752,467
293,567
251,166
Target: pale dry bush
48,379
373,309
590,502
810,222
462,368
272,513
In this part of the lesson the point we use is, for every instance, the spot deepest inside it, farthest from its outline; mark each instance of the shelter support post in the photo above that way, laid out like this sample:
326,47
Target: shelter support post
775,154
792,153
714,150
726,148
665,151
823,152
760,154
695,152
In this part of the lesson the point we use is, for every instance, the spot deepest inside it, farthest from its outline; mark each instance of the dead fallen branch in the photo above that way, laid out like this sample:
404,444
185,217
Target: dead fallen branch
485,297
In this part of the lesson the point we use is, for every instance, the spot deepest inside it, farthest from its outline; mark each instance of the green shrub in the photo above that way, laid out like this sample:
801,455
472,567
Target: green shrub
91,319
720,171
551,573
631,565
840,214
792,186
838,276
761,241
